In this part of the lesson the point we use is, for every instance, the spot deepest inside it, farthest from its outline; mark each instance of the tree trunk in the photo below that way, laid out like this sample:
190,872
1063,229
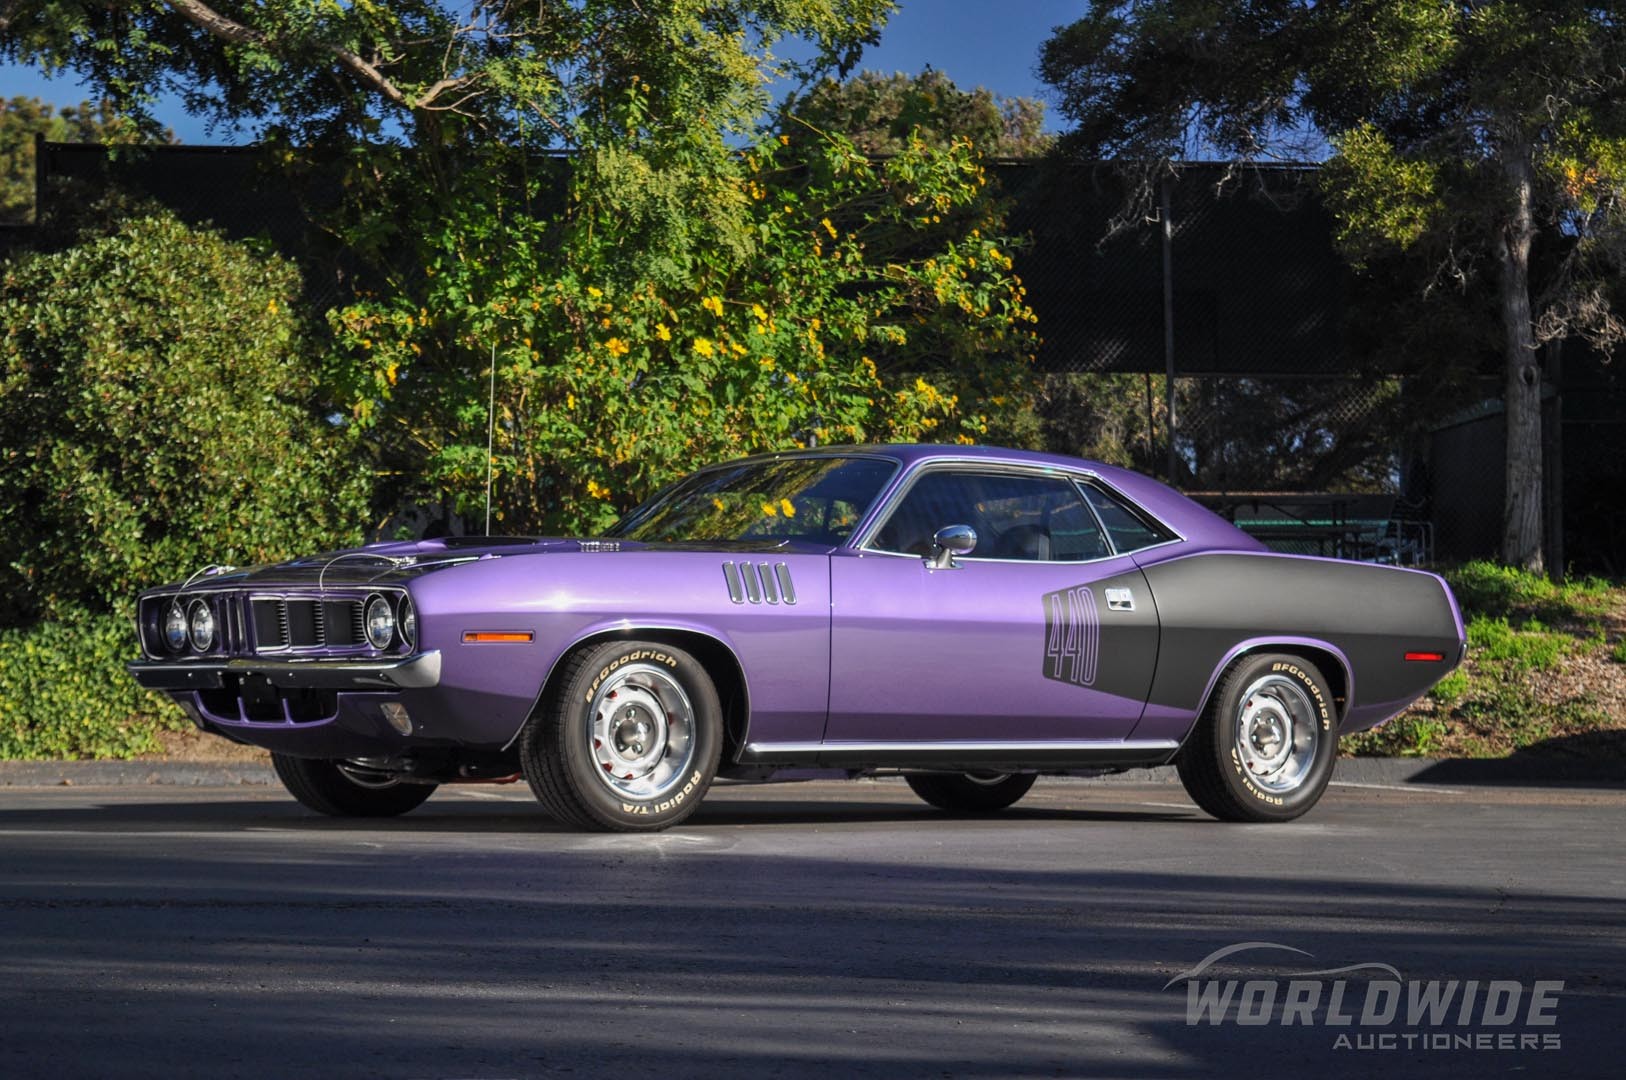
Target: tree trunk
1522,507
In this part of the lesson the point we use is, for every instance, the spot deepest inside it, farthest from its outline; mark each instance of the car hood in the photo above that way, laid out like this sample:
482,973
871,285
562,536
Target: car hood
399,561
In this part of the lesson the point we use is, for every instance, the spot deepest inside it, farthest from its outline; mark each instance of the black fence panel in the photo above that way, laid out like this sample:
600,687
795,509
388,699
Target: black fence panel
1256,286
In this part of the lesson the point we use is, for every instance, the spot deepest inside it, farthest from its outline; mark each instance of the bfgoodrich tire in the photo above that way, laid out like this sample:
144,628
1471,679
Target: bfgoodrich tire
323,786
627,741
1264,748
970,793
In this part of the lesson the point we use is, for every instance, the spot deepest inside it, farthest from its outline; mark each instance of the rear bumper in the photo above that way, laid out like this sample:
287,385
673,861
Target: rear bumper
416,672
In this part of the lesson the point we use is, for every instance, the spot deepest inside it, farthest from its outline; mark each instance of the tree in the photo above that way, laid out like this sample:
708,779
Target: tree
22,118
684,282
882,113
156,416
838,325
1463,134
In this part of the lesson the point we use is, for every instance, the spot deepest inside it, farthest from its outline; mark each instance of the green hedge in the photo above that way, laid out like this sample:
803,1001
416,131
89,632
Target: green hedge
159,412
64,692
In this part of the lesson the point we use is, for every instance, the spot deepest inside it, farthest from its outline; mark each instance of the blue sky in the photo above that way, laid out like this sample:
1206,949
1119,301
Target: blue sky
974,42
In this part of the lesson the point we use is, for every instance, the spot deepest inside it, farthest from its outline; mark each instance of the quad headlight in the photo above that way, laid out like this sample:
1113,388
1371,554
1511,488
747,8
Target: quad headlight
175,628
380,622
409,622
201,626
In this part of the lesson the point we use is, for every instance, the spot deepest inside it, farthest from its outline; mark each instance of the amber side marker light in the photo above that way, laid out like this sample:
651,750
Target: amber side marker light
488,637
1425,657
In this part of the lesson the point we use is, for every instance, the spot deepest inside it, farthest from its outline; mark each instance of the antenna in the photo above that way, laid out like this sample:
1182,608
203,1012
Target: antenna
491,426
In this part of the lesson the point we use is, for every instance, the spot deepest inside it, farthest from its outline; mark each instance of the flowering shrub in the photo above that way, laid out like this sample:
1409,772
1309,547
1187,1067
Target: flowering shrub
851,301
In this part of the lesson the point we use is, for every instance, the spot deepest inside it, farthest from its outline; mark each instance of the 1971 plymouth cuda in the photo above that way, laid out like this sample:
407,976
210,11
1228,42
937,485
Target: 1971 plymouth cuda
969,617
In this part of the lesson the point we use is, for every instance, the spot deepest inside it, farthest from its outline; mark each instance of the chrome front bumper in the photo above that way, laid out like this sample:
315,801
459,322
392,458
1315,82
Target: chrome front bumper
405,673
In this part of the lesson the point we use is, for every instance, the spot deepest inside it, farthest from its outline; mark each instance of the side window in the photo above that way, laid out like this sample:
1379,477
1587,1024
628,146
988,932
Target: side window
1128,530
1030,518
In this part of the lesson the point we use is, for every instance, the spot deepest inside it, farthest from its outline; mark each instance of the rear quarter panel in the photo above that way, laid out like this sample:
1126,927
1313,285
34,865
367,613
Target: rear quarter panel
1215,605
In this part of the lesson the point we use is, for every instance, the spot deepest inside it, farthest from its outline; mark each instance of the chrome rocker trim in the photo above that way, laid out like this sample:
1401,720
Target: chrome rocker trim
404,673
969,754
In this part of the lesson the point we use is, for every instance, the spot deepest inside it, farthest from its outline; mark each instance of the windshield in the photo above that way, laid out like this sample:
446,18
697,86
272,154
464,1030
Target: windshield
817,499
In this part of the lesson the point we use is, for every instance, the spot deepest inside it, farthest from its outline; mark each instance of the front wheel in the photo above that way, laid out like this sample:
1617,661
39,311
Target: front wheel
1264,748
338,790
970,793
628,741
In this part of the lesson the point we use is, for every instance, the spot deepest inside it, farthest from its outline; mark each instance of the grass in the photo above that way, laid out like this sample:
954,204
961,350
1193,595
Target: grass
1545,673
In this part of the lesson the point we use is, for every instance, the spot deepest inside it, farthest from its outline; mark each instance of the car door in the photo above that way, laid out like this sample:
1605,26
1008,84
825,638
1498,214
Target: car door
1040,634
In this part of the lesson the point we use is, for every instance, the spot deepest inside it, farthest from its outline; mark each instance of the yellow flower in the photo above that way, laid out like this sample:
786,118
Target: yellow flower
662,332
739,350
766,362
713,305
784,140
762,316
770,510
829,228
595,293
570,401
595,490
786,508
616,346
271,308
718,503
703,346
389,373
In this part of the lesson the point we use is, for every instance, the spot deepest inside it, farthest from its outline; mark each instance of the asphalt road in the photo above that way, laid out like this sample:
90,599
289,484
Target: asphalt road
840,929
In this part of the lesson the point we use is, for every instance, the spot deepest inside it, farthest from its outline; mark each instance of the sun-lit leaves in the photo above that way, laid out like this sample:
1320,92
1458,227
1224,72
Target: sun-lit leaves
873,304
1377,197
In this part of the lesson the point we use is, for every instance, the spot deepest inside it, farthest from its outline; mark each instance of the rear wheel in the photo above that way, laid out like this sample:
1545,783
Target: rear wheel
1264,748
972,793
628,741
338,790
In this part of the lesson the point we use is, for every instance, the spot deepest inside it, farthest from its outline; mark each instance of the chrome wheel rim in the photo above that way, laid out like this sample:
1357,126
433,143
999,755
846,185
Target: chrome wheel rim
640,728
1277,733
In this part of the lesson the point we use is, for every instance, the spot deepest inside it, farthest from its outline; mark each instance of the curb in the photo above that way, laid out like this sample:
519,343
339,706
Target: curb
1513,771
127,773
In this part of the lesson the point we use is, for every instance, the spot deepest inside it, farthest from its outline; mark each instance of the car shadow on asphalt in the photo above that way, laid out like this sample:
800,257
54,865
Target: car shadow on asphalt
520,817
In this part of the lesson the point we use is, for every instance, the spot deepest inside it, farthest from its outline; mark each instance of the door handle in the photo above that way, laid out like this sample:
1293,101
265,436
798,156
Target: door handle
1120,600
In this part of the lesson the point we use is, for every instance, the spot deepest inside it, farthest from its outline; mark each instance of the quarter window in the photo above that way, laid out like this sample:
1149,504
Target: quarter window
1027,518
1129,531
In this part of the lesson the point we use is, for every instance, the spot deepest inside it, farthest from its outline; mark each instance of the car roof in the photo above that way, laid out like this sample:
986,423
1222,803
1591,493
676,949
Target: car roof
1193,522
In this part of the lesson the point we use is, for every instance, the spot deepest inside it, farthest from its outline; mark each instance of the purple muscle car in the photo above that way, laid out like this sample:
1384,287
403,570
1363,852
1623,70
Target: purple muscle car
969,617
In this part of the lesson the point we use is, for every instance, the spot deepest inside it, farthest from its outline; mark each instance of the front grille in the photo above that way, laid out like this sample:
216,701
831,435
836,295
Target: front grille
257,623
291,622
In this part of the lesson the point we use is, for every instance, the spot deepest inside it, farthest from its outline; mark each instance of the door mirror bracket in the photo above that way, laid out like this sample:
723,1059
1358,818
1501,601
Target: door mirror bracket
947,543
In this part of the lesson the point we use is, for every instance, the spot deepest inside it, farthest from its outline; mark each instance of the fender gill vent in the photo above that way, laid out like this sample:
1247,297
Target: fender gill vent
759,582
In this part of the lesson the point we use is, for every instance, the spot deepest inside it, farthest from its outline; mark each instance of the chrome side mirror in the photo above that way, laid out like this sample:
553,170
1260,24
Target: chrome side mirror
949,541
